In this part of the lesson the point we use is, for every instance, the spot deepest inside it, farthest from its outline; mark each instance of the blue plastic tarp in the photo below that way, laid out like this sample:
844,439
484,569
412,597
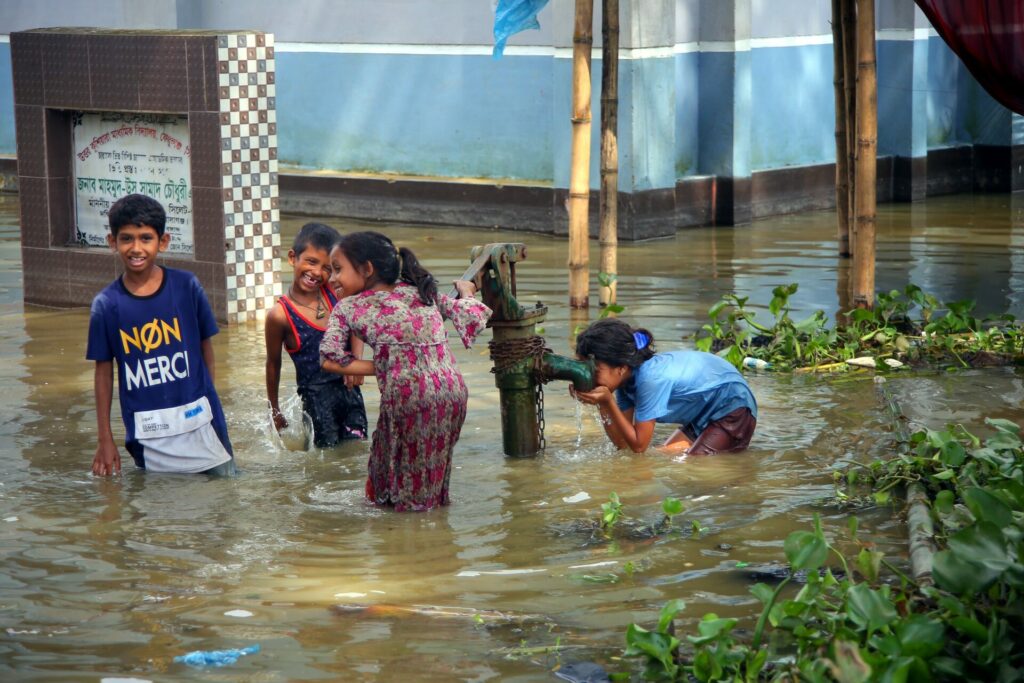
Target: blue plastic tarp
513,16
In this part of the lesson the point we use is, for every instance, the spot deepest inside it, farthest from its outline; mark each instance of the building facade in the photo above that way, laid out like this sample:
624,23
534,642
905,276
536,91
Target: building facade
396,110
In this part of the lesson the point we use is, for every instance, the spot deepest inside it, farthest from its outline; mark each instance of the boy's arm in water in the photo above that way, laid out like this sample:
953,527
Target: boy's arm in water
274,331
206,346
107,459
357,345
618,424
358,368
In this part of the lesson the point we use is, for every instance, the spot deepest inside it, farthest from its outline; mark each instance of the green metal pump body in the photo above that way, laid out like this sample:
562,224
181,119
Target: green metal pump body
522,363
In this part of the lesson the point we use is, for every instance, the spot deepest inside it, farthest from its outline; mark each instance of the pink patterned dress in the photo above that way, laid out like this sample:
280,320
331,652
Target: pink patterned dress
423,397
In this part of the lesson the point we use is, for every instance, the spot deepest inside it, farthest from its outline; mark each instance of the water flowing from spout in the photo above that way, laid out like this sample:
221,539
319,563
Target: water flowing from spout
579,424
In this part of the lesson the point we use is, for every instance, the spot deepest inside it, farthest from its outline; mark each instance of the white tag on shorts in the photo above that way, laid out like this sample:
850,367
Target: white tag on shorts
150,424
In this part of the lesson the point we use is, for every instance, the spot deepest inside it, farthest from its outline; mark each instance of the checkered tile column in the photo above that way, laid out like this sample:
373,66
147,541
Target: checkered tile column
252,227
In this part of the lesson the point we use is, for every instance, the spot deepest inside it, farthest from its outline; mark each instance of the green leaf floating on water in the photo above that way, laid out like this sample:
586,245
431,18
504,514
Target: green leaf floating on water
806,549
959,576
762,592
920,636
868,608
669,612
654,644
952,454
983,544
987,507
976,557
869,562
944,501
1003,425
671,506
711,628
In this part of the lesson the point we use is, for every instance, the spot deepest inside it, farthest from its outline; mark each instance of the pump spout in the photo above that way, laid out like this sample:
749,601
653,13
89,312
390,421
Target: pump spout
579,372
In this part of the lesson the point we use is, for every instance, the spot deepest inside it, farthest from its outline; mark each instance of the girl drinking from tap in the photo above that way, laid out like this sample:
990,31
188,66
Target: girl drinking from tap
637,387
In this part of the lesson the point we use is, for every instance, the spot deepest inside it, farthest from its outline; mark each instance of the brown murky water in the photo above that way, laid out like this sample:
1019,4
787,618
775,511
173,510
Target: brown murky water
114,577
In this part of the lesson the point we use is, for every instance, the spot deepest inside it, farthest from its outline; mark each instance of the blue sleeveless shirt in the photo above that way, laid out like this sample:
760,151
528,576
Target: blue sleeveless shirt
306,355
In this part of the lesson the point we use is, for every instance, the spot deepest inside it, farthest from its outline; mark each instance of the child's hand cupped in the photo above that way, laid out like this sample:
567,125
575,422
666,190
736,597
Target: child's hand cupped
598,396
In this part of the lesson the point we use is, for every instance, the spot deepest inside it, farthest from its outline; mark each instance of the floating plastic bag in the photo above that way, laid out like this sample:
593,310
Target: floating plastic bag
583,672
513,16
215,657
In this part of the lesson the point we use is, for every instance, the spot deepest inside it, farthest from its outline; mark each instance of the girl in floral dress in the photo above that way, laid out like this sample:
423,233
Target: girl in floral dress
391,302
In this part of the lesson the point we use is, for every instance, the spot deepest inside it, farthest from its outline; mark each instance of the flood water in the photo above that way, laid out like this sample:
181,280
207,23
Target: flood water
106,578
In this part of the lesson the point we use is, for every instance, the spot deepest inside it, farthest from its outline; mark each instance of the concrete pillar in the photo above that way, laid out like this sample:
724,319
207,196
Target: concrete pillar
725,107
647,131
647,96
902,48
997,135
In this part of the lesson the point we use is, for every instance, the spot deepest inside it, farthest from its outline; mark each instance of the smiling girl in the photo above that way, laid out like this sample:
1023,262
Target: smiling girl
391,302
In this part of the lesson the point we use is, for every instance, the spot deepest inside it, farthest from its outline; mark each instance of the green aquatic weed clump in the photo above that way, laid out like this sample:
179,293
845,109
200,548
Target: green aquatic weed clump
865,620
909,325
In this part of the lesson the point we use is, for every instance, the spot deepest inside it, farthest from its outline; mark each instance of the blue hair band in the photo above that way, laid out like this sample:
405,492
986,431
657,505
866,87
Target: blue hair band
641,340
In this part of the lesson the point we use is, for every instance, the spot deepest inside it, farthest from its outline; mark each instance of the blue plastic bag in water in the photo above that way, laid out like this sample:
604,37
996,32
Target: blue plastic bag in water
513,16
215,657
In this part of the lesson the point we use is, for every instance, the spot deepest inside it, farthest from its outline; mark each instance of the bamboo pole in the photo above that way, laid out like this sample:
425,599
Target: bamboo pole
849,23
867,148
921,533
579,177
920,530
843,290
609,235
842,158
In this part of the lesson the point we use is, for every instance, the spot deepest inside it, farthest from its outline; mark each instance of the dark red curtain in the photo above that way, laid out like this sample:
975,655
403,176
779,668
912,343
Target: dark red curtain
988,36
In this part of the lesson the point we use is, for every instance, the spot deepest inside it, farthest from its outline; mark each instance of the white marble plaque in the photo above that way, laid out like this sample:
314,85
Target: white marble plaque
120,154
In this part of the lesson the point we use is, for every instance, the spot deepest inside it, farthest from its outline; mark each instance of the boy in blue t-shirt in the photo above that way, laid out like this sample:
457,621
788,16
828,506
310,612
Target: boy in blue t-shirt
155,323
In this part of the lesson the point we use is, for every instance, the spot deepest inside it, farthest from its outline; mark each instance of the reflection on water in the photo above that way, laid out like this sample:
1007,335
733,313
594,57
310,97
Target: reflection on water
114,577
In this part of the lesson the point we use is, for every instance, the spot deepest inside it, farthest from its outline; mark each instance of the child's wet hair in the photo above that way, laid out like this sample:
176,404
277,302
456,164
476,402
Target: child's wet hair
316,235
391,264
614,342
137,209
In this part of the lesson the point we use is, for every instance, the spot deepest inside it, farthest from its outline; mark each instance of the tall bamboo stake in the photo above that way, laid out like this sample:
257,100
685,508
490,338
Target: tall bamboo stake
609,236
921,531
867,150
849,23
842,159
579,177
843,290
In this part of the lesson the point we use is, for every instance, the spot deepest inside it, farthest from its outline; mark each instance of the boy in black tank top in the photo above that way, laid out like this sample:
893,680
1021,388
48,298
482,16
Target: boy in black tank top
297,324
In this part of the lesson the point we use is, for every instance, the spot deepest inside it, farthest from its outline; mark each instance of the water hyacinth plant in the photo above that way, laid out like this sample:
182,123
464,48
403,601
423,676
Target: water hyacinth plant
864,619
903,325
